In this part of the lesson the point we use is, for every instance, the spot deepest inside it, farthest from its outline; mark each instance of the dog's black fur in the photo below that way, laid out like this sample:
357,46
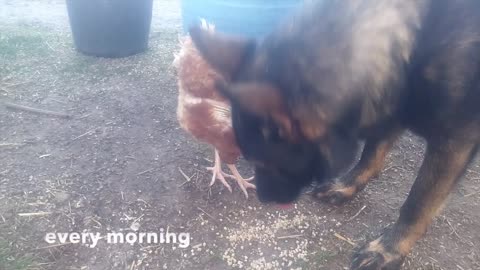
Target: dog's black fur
343,71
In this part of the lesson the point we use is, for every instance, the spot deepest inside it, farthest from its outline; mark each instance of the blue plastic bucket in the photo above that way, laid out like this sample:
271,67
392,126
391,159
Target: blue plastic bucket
254,18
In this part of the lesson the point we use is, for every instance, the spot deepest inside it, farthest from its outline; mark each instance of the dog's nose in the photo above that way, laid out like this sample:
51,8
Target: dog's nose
264,197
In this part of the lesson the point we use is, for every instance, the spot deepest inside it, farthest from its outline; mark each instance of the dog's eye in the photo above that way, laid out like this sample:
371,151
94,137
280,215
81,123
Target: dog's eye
271,133
265,132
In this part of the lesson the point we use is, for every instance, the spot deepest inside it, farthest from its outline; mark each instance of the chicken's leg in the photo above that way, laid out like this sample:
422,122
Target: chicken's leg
218,173
242,182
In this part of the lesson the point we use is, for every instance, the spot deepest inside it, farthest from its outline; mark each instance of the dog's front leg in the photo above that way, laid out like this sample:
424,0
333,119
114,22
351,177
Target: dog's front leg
443,165
370,165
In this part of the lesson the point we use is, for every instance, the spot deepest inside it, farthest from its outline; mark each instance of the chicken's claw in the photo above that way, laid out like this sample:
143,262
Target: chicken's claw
242,182
220,175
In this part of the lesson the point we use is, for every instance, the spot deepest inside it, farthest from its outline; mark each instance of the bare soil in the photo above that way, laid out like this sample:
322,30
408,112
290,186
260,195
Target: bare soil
116,165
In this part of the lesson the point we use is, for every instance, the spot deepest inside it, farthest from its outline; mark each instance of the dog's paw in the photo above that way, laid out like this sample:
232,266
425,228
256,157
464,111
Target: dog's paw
375,256
334,193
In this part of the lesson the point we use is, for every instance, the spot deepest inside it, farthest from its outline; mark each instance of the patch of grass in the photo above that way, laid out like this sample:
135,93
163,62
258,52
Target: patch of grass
80,64
28,51
21,41
9,260
25,47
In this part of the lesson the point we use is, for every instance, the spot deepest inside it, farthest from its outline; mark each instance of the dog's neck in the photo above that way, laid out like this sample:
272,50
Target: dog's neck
352,51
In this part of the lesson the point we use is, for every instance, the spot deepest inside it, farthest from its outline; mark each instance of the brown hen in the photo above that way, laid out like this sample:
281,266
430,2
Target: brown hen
204,113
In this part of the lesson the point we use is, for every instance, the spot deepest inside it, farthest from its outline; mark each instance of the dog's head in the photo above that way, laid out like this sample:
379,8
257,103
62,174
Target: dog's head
286,136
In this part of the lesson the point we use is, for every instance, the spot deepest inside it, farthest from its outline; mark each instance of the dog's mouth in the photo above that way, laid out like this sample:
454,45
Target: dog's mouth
281,190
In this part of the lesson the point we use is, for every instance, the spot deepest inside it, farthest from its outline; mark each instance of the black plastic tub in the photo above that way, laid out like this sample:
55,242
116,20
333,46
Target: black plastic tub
110,28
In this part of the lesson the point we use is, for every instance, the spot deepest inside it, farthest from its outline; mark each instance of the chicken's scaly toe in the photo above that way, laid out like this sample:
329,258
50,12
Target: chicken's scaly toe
242,182
220,175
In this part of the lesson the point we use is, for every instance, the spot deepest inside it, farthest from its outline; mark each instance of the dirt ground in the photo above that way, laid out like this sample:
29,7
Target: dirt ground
116,166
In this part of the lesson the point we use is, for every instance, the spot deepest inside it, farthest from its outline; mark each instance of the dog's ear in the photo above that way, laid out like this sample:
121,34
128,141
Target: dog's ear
225,53
262,100
265,101
312,121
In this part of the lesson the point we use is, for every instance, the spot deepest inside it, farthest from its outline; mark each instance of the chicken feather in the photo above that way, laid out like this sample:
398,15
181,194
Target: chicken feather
204,113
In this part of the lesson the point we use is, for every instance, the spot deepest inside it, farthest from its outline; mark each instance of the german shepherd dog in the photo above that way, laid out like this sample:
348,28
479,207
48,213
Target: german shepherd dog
346,71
